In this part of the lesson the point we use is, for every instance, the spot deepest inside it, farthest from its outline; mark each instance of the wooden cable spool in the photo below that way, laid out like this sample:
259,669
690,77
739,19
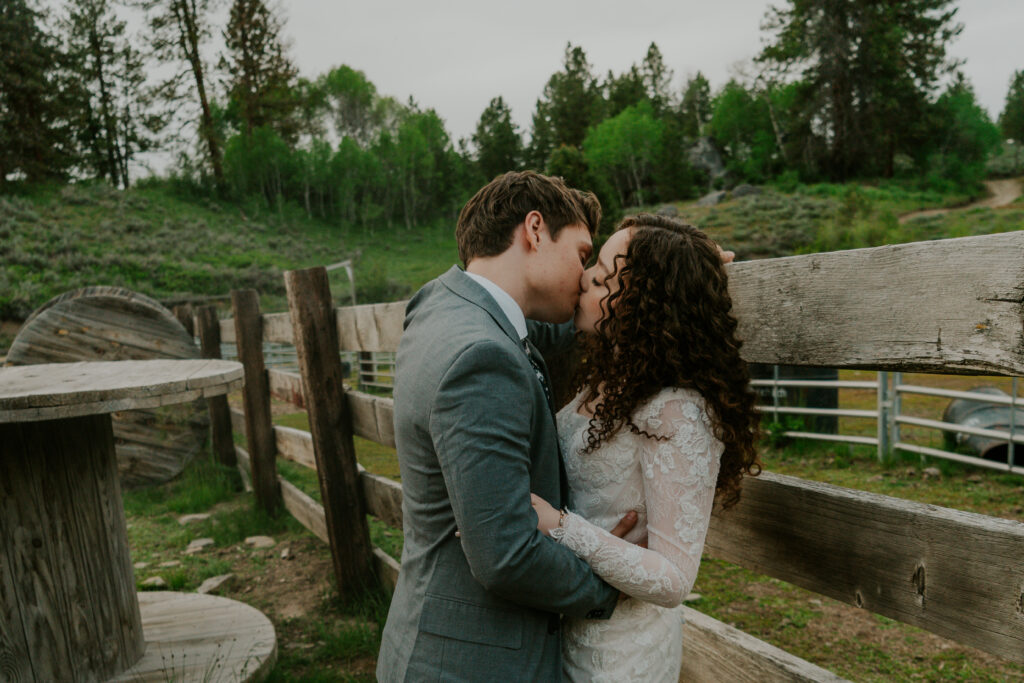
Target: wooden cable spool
112,323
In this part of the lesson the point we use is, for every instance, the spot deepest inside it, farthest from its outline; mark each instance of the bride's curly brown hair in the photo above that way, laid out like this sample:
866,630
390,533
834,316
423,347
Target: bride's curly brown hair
670,324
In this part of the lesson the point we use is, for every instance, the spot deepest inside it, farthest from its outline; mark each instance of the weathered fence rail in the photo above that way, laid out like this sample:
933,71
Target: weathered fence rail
954,573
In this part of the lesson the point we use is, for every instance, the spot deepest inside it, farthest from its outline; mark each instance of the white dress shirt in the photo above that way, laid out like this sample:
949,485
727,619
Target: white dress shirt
505,302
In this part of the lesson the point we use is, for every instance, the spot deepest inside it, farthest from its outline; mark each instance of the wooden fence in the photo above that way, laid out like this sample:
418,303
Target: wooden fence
952,306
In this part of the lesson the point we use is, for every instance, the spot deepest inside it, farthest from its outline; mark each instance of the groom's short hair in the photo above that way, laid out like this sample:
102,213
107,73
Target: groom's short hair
488,220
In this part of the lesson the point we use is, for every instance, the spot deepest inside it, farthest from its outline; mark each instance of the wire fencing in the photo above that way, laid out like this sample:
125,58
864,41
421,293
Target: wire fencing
982,427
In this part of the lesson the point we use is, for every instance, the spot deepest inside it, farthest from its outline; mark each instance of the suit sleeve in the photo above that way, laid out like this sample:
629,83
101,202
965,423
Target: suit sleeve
481,427
551,339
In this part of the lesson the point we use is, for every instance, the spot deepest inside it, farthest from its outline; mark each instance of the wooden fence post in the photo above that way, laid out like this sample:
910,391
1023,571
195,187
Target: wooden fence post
259,430
315,332
183,312
220,416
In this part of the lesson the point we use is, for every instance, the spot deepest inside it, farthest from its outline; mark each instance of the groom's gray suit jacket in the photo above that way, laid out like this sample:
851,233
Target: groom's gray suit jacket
475,436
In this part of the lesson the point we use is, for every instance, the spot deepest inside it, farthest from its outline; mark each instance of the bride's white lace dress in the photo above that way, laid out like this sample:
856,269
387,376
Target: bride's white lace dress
670,482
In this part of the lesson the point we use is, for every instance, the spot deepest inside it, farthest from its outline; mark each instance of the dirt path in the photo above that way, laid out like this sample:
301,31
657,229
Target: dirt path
1002,192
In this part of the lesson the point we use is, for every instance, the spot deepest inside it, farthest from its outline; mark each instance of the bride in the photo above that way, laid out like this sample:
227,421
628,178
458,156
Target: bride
663,424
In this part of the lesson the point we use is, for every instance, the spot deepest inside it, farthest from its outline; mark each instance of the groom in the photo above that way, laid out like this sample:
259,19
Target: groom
475,432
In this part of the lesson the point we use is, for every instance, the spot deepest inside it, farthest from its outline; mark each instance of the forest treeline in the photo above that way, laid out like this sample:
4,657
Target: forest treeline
842,90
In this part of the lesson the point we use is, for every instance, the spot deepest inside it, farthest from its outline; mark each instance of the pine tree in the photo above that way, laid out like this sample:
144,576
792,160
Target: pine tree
110,128
695,109
261,77
867,70
1011,121
570,104
499,148
37,100
178,31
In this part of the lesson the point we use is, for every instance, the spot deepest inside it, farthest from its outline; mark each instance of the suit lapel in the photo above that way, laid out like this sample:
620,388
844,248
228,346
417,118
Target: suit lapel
462,285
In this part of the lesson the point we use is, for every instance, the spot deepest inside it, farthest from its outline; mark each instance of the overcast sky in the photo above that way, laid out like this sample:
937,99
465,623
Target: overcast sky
457,58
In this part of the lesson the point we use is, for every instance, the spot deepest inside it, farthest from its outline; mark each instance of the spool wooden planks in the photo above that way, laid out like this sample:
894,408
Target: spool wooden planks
112,323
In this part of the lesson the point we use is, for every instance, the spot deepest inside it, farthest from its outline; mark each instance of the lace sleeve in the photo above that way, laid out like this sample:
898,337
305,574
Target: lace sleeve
679,475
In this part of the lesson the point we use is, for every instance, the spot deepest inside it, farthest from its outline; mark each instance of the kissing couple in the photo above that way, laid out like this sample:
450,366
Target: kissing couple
509,570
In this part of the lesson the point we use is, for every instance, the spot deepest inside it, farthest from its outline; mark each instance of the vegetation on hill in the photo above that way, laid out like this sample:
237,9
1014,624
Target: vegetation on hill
175,247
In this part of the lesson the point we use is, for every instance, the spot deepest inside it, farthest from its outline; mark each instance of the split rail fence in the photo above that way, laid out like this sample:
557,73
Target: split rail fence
894,308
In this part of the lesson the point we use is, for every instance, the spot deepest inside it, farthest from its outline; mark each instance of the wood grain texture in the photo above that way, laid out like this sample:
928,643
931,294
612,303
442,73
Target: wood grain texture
387,568
111,323
51,391
185,316
307,511
227,331
69,610
220,420
371,327
952,305
277,328
295,445
195,637
286,386
957,574
259,433
383,497
316,345
373,417
714,652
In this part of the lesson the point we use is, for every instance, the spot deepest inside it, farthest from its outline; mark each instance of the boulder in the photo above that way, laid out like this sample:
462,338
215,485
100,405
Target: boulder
712,198
745,190
670,210
216,584
260,542
704,156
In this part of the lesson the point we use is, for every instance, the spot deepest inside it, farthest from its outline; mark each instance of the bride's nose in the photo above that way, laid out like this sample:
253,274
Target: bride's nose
584,280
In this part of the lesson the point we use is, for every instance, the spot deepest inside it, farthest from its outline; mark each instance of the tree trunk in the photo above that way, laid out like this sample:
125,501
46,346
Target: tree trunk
185,13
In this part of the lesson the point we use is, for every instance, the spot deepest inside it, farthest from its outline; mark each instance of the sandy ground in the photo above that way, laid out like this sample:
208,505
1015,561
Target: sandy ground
1002,193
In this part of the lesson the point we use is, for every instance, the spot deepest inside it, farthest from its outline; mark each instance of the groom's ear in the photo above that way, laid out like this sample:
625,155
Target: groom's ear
533,226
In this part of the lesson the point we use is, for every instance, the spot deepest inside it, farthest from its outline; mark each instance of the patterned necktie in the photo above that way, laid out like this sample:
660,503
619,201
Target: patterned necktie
538,371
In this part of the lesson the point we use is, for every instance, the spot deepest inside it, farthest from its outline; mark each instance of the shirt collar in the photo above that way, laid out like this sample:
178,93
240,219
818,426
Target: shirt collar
505,302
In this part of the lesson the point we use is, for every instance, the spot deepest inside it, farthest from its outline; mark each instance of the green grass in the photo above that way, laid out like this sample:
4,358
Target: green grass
149,240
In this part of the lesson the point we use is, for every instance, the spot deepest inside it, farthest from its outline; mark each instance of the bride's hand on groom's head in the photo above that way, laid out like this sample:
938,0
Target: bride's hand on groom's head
726,256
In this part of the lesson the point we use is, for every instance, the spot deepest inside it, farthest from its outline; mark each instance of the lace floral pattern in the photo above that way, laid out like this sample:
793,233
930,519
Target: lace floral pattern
670,482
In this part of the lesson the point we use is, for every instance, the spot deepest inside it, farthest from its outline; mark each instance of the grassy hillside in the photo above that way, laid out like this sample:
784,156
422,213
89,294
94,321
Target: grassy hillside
171,248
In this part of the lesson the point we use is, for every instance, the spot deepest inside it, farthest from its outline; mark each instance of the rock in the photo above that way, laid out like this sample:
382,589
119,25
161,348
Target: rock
712,198
816,602
877,477
932,472
670,210
141,565
215,584
198,545
911,472
975,479
692,597
154,582
745,190
287,554
188,519
171,563
260,542
704,156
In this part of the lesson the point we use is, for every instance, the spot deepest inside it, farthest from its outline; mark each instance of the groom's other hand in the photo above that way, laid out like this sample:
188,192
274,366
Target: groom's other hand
625,524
